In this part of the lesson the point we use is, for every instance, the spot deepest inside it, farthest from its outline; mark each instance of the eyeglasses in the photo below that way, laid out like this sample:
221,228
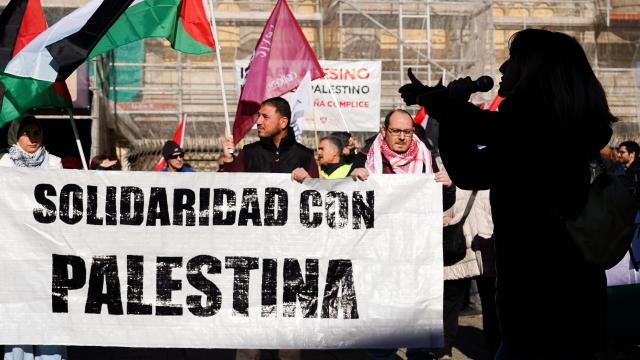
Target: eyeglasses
177,156
397,132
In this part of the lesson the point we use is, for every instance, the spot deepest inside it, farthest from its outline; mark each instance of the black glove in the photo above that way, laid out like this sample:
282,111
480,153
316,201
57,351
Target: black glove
461,89
410,92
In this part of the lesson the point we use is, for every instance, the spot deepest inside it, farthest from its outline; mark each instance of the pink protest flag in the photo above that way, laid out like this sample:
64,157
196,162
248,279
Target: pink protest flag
278,65
178,138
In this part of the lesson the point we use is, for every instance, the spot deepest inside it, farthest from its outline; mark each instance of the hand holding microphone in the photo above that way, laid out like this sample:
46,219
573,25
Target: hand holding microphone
410,92
460,89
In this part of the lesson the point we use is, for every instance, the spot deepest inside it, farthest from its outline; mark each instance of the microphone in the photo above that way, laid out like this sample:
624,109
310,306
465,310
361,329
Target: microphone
461,88
482,84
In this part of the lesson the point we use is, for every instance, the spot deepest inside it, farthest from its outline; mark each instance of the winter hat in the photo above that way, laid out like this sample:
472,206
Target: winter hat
171,148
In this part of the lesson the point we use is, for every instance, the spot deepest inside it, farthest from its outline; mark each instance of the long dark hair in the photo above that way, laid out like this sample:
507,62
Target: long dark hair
556,76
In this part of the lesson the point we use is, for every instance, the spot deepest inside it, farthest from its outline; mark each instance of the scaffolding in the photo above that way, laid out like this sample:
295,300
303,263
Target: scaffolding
139,98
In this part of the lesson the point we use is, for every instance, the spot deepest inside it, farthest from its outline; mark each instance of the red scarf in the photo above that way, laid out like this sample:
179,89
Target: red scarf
409,162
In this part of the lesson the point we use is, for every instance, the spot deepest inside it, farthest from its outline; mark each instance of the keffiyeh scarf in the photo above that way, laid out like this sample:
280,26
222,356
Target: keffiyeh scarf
413,161
22,158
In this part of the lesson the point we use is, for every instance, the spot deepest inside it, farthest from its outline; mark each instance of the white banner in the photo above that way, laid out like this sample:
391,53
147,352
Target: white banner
219,260
357,87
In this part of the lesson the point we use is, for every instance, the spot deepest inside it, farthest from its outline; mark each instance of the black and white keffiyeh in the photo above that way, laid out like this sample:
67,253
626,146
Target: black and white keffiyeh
22,158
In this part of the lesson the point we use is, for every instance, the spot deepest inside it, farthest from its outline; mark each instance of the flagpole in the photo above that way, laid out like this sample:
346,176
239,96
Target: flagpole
214,30
78,143
315,128
315,131
335,101
184,129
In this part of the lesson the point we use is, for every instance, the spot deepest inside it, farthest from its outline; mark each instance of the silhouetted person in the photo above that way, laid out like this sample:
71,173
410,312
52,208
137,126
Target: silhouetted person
551,303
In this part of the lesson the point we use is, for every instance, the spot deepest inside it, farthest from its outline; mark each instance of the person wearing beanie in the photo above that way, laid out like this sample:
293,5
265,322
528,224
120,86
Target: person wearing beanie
174,156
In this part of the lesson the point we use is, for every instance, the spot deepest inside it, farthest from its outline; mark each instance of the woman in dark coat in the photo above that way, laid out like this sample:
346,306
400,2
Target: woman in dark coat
551,304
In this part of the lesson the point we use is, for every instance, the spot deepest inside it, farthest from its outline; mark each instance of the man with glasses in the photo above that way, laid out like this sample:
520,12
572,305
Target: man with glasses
174,156
396,150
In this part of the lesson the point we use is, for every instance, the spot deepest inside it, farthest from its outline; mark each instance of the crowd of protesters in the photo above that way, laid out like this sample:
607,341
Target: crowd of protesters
540,300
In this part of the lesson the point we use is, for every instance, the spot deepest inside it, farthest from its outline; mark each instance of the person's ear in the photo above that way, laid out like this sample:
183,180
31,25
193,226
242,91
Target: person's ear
284,122
383,131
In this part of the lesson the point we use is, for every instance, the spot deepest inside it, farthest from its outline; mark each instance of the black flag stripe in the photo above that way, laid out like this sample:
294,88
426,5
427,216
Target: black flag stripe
73,50
10,21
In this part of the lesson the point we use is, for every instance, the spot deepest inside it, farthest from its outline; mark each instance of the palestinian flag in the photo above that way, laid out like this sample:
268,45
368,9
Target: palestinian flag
20,22
184,23
92,29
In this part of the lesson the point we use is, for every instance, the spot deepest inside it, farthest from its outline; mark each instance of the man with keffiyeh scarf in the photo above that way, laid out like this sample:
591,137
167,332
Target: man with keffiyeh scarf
398,150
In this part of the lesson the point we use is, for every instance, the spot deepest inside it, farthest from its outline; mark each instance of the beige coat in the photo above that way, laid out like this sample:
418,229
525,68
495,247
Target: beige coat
478,222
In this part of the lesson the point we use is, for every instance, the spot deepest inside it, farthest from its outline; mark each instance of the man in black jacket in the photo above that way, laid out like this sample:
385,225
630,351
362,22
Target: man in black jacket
277,151
396,138
628,151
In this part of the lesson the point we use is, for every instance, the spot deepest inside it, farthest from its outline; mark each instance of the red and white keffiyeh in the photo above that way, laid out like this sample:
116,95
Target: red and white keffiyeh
416,159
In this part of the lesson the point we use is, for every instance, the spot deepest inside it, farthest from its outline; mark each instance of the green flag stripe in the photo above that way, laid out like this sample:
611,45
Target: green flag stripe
149,19
25,94
185,43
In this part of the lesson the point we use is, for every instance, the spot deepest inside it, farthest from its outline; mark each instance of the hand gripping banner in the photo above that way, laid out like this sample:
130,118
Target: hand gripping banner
219,260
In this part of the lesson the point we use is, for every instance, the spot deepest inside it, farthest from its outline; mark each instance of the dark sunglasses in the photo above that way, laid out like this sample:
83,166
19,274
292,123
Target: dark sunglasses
176,156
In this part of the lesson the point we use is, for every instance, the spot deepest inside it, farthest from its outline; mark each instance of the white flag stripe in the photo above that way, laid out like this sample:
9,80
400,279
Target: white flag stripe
301,103
34,60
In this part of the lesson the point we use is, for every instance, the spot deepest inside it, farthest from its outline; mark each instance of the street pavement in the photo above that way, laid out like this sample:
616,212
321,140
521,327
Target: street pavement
470,340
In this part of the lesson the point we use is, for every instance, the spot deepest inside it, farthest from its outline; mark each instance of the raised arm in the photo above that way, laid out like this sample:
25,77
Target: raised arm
467,137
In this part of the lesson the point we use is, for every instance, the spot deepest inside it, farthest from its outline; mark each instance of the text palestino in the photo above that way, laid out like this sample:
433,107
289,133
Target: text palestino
69,273
217,207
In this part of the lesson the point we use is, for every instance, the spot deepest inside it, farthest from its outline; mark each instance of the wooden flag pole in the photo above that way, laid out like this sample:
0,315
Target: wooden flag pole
214,30
78,143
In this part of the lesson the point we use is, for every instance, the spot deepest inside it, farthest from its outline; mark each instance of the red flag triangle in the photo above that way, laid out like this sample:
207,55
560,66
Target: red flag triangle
33,23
